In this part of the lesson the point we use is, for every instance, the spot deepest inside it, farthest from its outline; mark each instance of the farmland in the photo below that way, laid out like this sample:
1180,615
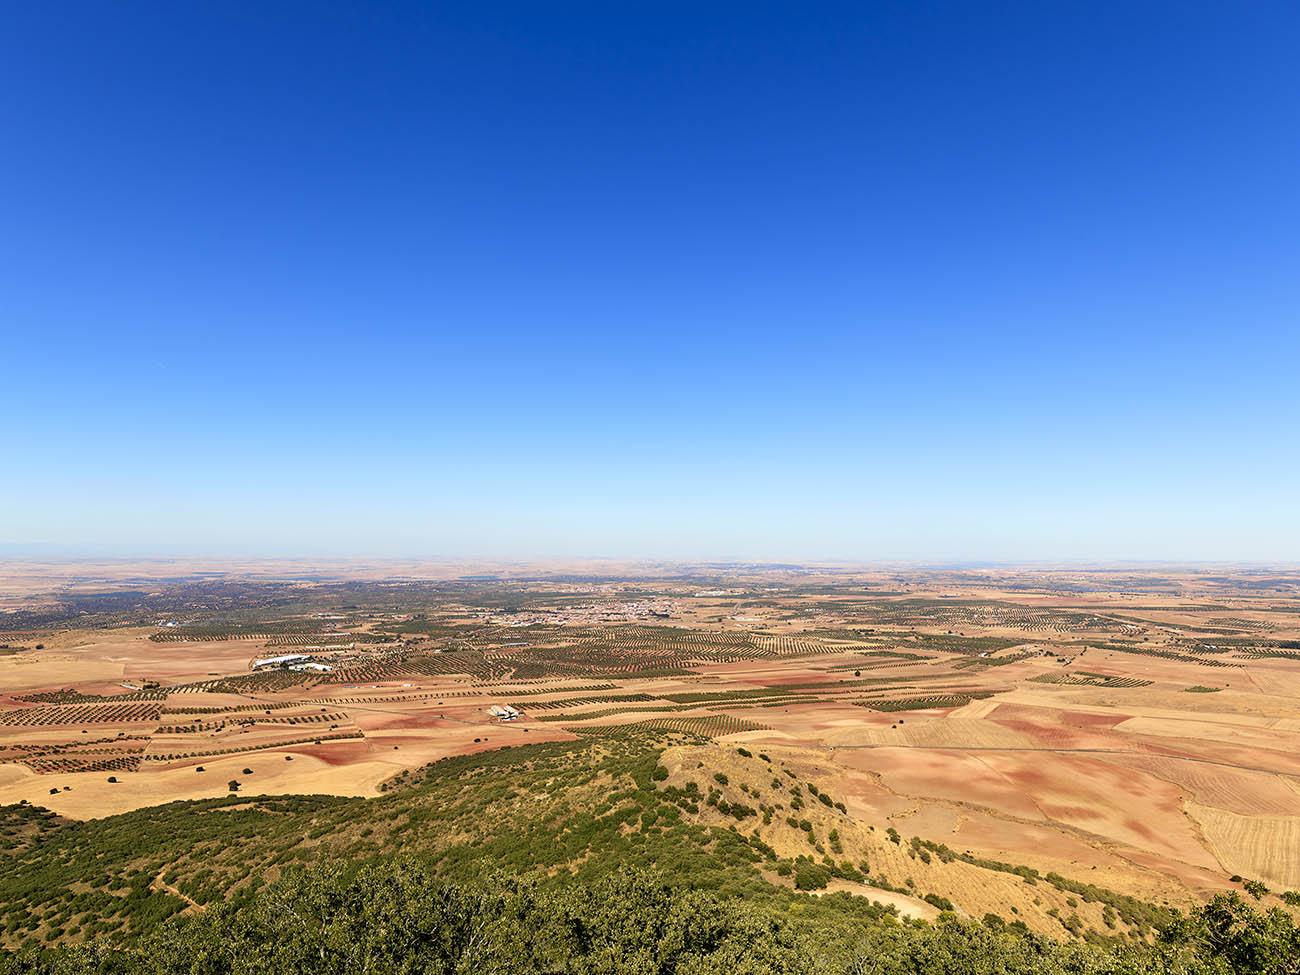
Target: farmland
1056,723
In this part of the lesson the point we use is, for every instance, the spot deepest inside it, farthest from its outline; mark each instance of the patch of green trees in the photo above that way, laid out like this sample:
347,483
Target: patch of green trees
399,916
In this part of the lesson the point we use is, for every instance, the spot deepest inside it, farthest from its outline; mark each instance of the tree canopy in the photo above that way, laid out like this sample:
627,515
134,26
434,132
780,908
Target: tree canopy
398,916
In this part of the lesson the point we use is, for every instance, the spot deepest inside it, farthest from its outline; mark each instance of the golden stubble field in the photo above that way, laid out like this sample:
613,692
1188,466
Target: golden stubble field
1138,765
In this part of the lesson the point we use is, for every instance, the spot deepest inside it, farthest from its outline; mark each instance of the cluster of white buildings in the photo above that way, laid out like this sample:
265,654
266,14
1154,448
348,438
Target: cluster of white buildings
291,661
585,615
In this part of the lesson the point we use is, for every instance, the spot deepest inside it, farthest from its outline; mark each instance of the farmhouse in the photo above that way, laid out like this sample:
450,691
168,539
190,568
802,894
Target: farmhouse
283,660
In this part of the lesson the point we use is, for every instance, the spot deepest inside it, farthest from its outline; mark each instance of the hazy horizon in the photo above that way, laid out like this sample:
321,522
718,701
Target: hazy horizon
73,554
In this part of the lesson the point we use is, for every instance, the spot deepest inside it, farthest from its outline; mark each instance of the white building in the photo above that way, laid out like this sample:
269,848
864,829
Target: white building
283,660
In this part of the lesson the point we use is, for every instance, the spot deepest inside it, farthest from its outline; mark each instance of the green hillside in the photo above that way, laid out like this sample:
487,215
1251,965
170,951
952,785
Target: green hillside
574,856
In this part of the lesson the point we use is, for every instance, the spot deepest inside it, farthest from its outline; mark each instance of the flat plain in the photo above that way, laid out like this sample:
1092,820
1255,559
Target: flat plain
1132,729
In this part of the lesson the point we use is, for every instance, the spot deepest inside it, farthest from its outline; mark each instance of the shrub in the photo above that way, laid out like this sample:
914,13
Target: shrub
811,876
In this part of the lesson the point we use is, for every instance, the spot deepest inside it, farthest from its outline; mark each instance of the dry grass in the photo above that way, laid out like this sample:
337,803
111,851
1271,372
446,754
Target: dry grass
1256,847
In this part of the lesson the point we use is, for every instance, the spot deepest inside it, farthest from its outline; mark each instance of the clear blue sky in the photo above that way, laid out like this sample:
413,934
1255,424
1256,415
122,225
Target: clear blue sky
788,281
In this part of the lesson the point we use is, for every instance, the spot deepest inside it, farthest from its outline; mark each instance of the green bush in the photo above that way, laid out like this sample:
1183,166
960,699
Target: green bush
811,876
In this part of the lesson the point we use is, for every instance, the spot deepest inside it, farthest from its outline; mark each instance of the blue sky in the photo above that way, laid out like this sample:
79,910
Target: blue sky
784,281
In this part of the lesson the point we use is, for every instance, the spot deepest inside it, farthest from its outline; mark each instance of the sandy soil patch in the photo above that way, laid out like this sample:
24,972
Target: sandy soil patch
912,907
